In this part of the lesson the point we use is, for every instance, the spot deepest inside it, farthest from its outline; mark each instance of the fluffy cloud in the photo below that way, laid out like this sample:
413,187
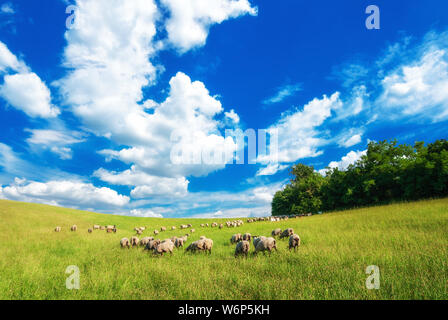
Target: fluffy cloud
184,122
350,158
144,213
232,116
146,185
57,141
9,61
271,169
27,92
420,88
352,141
23,89
190,20
64,193
297,134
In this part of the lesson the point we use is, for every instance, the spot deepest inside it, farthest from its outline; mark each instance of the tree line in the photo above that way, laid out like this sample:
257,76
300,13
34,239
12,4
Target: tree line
387,172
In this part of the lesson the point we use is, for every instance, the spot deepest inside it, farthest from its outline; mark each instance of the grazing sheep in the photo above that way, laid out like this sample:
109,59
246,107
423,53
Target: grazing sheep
287,233
96,227
102,228
276,232
208,245
179,242
264,245
247,237
202,225
192,230
173,228
125,243
173,238
57,229
162,229
165,246
139,232
74,228
198,245
242,247
221,226
189,225
257,239
134,241
144,241
294,242
207,224
236,238
156,232
90,231
152,244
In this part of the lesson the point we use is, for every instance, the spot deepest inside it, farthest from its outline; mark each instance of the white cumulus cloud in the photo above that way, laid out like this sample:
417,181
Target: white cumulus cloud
190,20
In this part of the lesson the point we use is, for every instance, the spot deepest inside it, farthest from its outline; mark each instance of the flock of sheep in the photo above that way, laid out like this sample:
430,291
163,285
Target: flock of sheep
242,241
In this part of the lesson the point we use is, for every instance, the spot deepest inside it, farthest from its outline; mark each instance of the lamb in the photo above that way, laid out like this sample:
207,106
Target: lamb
287,233
57,229
173,228
264,245
192,230
152,244
96,227
236,238
156,232
162,229
139,232
165,246
247,237
125,243
90,231
294,242
74,228
241,248
276,232
134,241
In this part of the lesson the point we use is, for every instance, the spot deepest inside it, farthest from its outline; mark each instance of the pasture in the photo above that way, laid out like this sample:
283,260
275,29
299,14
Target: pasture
408,242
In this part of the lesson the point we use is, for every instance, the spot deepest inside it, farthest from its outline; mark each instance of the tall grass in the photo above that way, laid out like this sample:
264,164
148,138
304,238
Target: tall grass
409,243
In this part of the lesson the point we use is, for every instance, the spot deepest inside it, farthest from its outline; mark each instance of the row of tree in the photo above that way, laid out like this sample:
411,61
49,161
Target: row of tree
388,172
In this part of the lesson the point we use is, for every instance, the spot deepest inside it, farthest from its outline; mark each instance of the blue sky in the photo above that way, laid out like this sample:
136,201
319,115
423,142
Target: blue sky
88,111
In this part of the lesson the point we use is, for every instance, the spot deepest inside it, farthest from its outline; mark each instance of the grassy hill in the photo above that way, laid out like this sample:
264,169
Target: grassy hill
409,243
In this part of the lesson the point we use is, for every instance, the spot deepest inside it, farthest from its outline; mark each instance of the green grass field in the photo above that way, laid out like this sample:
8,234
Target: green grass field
409,243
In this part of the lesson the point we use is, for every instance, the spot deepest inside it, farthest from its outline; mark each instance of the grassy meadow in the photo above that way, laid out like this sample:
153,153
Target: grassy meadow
409,243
